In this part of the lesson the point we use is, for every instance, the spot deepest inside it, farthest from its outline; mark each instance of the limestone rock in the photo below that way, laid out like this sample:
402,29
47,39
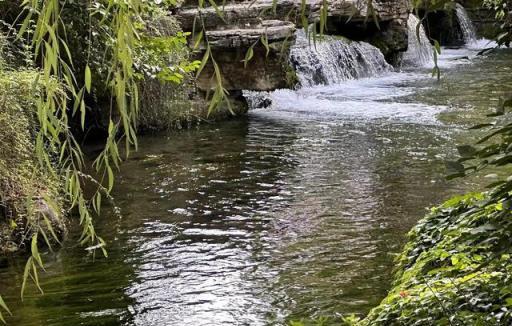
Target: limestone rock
236,26
244,37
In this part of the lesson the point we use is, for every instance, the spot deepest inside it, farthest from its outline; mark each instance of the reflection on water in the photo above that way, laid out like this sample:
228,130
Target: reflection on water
290,212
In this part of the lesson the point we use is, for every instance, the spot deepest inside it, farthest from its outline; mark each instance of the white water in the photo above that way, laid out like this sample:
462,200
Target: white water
334,60
380,97
466,25
363,100
419,51
350,81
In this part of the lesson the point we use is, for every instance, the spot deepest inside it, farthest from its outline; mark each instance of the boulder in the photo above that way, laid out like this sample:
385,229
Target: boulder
268,68
230,34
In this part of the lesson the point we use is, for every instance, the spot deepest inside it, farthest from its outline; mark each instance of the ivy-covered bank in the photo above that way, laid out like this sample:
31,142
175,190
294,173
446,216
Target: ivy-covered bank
455,269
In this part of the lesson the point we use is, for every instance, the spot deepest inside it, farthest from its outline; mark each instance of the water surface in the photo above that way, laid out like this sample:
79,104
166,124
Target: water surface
294,211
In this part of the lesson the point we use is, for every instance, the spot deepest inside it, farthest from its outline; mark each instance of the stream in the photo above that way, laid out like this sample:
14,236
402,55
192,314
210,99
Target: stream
294,211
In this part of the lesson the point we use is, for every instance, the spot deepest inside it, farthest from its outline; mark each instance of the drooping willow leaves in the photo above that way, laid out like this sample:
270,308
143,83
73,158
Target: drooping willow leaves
59,90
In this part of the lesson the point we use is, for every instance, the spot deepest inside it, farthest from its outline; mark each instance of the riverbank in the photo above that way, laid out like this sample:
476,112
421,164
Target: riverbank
30,195
455,268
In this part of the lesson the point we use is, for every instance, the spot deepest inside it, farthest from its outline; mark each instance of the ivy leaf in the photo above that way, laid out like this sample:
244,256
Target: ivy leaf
483,228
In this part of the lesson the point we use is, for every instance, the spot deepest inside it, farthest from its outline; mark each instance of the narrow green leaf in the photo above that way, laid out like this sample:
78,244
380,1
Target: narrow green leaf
206,57
4,306
198,40
264,41
82,114
26,273
110,178
248,56
88,78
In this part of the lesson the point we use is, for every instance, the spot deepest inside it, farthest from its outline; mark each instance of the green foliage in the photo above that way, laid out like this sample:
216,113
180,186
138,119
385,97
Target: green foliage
455,269
349,320
83,51
504,16
28,192
156,54
21,178
162,51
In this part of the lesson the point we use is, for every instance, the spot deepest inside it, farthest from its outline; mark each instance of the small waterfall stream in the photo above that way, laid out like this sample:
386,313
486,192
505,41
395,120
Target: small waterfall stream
466,25
334,60
419,51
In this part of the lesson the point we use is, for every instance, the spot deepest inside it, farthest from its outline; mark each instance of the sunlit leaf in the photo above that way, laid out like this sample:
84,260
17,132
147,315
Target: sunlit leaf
88,78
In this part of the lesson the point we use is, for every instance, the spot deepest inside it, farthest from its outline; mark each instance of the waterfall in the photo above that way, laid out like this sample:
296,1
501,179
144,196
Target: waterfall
466,25
334,60
419,50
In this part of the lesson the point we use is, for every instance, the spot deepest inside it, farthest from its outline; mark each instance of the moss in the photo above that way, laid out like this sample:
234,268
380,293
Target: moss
26,190
292,80
455,269
164,104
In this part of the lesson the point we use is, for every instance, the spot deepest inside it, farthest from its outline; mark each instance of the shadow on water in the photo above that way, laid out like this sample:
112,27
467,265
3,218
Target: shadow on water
291,212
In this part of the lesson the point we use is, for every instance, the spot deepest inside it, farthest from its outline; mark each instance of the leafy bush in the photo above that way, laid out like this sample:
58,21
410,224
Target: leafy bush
26,189
504,17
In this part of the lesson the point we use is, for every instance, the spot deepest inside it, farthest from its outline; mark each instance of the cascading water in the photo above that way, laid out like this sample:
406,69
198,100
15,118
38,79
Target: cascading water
333,60
465,23
419,51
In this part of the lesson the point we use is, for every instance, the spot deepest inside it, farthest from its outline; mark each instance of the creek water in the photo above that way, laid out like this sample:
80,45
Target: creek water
294,211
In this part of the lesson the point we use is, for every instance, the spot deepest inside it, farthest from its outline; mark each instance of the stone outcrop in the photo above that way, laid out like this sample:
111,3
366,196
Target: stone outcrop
267,70
235,27
382,23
